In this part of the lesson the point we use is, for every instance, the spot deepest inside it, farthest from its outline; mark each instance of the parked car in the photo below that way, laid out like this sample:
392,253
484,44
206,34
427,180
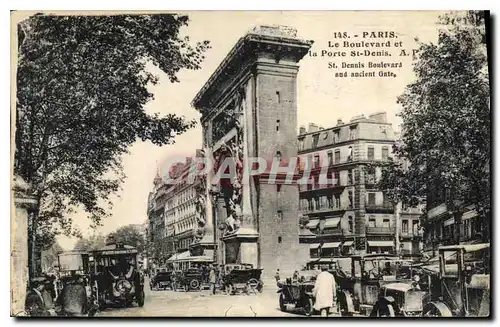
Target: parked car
461,286
241,278
161,281
399,300
298,295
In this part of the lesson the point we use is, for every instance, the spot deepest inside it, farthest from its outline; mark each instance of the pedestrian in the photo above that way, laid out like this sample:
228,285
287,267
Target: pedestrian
295,277
277,275
35,304
324,292
213,279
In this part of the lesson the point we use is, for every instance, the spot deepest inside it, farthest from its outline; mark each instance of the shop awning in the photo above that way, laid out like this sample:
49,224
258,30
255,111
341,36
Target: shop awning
347,243
332,222
381,243
314,246
331,245
179,256
469,214
449,222
312,223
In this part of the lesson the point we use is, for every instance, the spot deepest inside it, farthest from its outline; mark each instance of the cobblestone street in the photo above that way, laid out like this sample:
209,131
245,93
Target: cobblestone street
201,304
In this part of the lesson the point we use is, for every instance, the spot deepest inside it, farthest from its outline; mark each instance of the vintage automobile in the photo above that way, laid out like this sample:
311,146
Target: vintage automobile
241,278
359,290
116,276
297,295
189,280
73,267
460,285
161,281
399,300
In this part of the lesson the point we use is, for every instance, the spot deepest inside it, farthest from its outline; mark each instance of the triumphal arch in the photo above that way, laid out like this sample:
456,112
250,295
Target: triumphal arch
249,110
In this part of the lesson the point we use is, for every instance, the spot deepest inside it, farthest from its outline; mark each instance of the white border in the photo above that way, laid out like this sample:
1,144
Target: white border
189,5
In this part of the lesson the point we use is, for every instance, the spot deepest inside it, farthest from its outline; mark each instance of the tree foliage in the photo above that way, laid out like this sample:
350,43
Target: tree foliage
94,242
130,235
82,85
446,133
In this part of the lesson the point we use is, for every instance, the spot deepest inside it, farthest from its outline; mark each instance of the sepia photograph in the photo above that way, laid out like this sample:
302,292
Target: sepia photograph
291,164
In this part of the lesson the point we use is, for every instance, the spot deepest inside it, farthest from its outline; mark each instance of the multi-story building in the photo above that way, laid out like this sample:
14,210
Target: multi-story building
443,227
180,212
156,219
348,214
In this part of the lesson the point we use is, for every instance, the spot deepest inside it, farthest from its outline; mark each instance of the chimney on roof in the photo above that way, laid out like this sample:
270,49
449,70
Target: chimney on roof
312,128
340,122
379,116
321,128
302,130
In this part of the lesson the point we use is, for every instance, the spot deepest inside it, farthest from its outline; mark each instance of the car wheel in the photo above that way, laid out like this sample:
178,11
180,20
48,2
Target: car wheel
140,298
194,284
309,307
282,302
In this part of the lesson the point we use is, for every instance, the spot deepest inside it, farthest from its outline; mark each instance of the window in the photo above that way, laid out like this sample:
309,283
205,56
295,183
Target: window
350,199
415,227
336,178
336,136
315,141
278,98
385,153
371,198
330,158
371,153
337,156
279,239
351,224
280,214
277,125
386,223
349,177
404,226
278,155
301,144
372,222
316,161
349,154
352,133
278,188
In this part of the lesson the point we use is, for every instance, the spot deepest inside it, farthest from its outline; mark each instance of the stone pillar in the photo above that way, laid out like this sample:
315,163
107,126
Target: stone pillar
19,245
220,218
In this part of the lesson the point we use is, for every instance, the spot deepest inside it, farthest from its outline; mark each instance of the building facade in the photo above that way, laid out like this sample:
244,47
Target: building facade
156,220
349,214
249,109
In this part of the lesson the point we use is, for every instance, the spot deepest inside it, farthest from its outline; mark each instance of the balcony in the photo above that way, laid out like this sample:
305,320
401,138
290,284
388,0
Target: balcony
322,209
380,230
437,211
409,233
380,207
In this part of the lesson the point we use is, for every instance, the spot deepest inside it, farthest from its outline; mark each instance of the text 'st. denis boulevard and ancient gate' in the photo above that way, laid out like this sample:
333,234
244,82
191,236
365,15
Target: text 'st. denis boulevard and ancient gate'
249,110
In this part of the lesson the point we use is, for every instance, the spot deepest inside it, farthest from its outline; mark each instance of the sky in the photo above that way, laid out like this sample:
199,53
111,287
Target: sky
322,97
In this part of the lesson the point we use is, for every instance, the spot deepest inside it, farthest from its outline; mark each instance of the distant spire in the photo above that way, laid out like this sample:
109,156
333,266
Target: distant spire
157,179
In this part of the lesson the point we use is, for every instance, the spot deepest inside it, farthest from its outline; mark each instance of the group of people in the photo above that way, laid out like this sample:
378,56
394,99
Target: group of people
72,299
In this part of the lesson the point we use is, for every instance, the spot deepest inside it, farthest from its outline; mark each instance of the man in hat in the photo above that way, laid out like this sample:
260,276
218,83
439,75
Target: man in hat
34,304
212,279
324,292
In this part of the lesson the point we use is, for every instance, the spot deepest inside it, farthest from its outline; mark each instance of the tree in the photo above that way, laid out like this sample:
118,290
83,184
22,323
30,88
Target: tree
94,242
446,121
82,84
130,235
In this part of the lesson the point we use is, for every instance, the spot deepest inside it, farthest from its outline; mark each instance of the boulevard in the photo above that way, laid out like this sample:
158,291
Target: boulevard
203,304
